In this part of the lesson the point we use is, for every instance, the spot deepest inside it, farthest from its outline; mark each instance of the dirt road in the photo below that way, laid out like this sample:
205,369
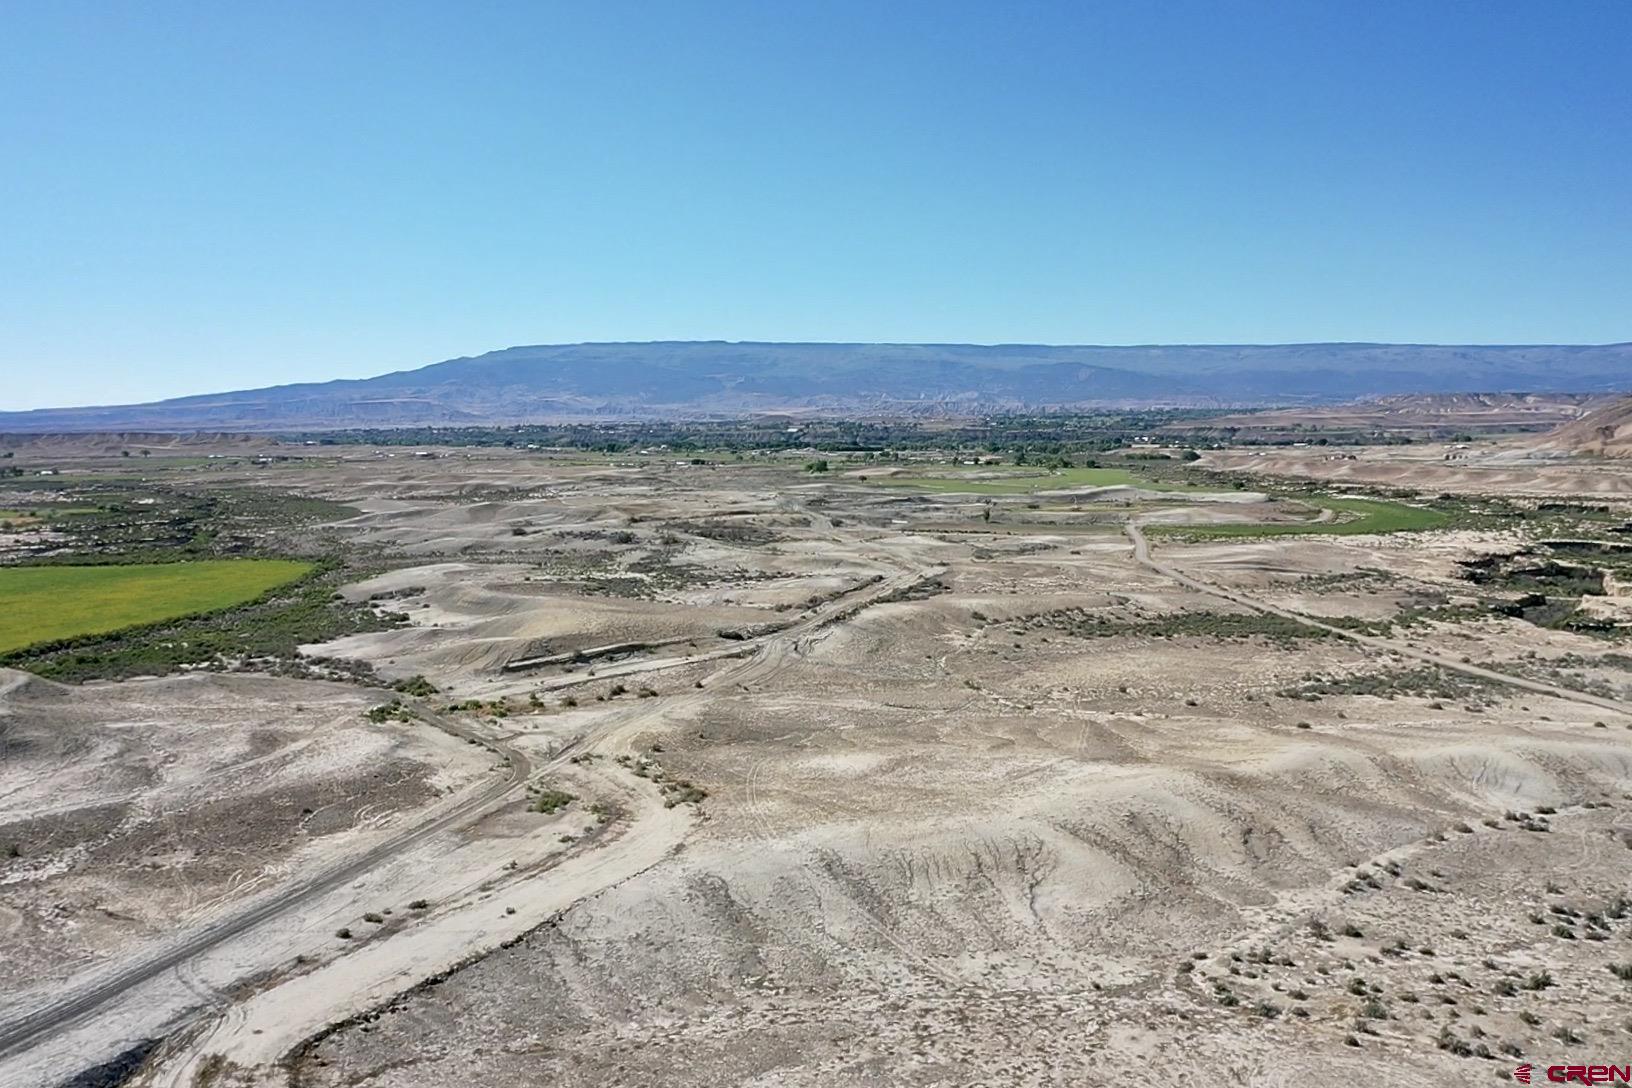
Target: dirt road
257,1032
1141,552
24,1031
352,982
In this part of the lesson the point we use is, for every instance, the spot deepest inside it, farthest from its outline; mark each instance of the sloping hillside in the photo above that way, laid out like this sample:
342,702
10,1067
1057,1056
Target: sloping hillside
1419,415
1606,432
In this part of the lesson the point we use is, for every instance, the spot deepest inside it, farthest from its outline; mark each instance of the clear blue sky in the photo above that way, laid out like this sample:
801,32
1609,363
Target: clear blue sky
196,197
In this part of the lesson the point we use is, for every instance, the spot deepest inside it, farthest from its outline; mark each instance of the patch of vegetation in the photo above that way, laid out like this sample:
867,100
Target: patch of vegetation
917,591
1538,981
1218,625
551,801
51,604
681,792
39,515
143,521
1036,437
1549,577
415,685
1570,671
1426,681
494,708
393,711
1350,517
265,634
1347,580
1417,615
728,531
1549,591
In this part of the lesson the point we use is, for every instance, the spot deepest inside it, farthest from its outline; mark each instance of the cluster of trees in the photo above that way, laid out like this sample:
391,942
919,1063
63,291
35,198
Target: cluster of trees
1057,436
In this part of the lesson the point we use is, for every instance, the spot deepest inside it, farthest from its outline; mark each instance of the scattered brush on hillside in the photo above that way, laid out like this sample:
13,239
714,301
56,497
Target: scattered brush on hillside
1409,616
151,522
1219,625
1428,682
743,533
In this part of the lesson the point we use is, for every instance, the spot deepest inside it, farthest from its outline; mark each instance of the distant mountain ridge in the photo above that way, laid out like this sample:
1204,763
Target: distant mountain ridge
697,379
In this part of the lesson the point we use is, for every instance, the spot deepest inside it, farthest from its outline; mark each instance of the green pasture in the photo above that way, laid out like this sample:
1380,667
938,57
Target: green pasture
1351,517
48,603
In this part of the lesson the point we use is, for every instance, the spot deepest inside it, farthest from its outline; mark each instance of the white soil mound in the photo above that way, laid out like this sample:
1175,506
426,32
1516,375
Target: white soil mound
1606,432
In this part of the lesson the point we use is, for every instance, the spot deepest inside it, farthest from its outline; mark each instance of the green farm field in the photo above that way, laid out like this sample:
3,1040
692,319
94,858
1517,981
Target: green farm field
44,604
1351,517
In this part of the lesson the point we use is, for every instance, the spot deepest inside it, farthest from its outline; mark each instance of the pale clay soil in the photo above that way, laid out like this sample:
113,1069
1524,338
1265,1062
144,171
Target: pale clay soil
948,839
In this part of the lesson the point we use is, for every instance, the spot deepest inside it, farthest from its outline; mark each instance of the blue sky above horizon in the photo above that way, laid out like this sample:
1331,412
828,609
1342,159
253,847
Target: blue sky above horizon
200,197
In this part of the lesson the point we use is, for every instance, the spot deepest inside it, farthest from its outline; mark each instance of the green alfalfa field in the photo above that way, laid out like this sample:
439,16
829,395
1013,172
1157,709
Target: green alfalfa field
41,604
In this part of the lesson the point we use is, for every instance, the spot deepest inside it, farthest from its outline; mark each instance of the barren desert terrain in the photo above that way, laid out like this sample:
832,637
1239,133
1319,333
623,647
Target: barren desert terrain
677,771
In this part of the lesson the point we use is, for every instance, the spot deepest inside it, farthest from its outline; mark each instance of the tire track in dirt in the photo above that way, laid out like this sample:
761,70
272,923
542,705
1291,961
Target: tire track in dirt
24,1031
764,659
1141,552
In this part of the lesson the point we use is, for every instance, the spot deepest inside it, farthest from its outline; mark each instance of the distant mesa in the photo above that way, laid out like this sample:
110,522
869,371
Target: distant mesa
693,380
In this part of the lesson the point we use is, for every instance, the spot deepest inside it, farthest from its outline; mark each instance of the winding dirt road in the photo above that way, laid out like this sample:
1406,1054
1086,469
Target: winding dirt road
766,655
1141,552
26,1030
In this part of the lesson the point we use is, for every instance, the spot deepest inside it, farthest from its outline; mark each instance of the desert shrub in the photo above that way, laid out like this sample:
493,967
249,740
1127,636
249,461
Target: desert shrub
415,685
682,792
393,711
552,801
1423,681
1450,1042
